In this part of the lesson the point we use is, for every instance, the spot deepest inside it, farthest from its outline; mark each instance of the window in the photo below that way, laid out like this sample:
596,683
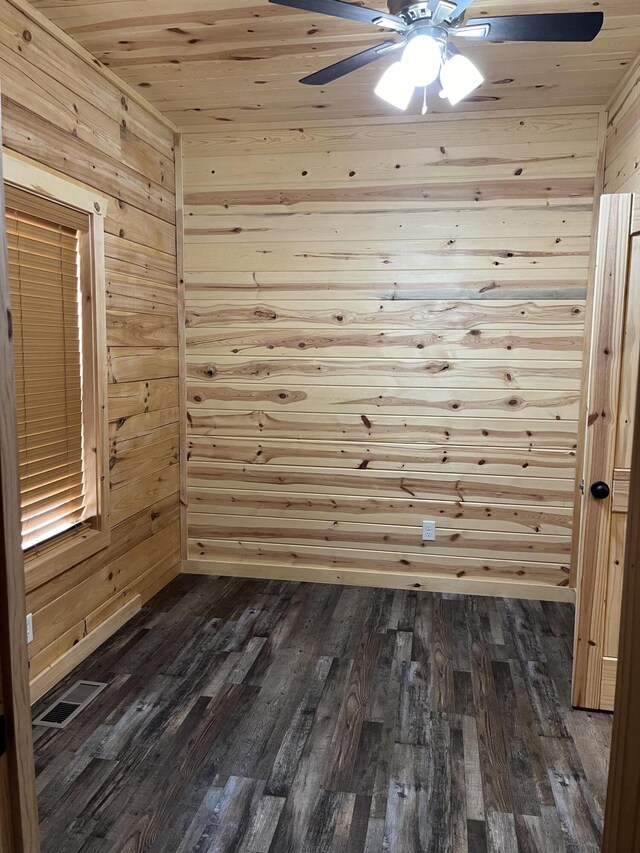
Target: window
56,280
44,278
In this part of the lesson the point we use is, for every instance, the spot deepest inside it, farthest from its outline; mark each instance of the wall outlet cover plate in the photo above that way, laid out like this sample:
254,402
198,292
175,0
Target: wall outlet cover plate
428,531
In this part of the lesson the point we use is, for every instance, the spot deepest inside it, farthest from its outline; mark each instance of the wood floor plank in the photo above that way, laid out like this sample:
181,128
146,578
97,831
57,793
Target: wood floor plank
271,717
359,824
501,832
238,803
459,836
203,823
493,760
293,743
322,826
263,825
418,808
473,772
375,836
525,800
476,833
295,818
344,747
401,655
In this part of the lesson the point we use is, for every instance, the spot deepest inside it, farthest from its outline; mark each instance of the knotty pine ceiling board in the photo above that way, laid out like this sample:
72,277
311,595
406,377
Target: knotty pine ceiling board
204,62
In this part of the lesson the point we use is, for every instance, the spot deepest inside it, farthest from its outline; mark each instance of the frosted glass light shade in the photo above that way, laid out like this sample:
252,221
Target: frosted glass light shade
422,59
395,87
459,78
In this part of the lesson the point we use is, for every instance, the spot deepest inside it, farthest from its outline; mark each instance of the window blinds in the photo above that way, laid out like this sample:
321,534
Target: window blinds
43,240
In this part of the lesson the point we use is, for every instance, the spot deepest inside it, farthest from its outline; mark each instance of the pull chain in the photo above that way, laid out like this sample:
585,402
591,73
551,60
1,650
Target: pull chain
424,101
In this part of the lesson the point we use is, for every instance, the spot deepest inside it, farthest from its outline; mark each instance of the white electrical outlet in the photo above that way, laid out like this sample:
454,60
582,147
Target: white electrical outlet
29,627
428,531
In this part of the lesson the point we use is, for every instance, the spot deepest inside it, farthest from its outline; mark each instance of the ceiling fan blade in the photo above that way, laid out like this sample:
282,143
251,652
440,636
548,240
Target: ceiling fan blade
351,63
340,9
461,8
563,26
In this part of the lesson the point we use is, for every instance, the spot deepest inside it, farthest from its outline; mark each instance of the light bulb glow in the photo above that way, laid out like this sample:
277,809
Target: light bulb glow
422,59
395,87
459,78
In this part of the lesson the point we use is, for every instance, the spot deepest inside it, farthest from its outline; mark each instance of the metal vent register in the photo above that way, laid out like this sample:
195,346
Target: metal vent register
70,704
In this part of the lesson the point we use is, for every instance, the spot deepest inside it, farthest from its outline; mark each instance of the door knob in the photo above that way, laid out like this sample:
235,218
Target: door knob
600,490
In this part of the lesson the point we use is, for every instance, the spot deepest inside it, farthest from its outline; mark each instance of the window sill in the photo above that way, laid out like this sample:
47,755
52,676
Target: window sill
40,568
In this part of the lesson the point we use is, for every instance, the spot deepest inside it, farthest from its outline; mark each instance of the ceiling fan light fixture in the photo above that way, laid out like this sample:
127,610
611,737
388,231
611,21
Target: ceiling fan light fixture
395,87
459,78
422,59
426,27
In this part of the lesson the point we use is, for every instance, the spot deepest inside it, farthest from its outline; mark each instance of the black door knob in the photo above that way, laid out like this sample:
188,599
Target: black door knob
600,490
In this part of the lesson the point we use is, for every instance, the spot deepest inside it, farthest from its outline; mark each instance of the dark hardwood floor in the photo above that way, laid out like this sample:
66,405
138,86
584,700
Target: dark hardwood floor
269,717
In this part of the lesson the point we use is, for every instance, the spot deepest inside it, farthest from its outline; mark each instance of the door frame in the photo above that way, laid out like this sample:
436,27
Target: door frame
21,796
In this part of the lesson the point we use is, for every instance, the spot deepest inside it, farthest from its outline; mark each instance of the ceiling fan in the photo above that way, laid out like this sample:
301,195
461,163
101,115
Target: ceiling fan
426,28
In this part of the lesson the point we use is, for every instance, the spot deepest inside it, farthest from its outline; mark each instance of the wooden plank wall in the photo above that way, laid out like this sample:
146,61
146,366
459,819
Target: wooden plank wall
62,111
385,324
622,160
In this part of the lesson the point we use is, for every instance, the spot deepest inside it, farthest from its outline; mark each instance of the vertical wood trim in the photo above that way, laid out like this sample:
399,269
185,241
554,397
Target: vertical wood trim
182,345
622,817
602,395
574,577
94,346
635,216
13,641
99,357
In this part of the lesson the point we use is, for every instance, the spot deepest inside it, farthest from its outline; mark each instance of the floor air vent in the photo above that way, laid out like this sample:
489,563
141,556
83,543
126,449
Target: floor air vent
70,704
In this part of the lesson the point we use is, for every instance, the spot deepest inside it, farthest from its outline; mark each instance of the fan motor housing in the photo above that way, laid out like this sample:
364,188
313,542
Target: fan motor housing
423,11
409,12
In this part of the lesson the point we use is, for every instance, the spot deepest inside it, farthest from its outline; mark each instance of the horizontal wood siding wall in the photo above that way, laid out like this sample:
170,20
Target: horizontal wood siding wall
622,160
65,114
385,324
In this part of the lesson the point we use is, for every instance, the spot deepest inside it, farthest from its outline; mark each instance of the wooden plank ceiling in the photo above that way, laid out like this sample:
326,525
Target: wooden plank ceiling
204,62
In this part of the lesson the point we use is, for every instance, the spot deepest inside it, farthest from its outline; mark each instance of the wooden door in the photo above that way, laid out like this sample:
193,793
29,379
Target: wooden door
611,398
18,810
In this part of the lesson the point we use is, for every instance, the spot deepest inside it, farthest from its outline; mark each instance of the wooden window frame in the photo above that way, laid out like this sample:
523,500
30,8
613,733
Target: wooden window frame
50,559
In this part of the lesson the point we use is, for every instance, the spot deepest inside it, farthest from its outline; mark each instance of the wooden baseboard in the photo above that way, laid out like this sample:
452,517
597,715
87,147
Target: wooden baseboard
50,676
389,580
120,609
